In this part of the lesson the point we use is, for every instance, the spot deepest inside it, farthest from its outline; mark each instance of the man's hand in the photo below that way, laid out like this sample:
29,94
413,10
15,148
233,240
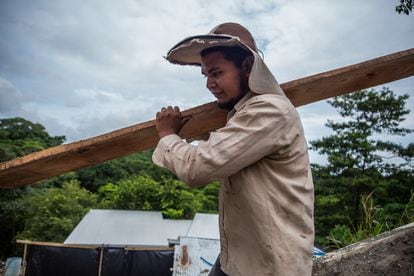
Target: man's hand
169,121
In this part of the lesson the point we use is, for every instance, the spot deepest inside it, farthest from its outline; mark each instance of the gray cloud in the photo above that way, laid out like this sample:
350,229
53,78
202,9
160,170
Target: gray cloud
10,97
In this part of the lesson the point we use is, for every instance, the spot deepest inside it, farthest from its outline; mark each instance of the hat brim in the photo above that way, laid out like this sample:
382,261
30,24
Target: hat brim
187,51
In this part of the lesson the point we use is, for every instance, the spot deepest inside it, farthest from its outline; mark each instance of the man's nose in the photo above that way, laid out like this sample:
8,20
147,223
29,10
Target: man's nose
210,83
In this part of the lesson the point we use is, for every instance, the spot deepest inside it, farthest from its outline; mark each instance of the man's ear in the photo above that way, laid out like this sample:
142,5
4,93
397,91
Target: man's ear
247,65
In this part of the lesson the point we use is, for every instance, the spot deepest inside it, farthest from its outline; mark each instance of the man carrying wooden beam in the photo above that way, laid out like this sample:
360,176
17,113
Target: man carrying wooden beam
260,157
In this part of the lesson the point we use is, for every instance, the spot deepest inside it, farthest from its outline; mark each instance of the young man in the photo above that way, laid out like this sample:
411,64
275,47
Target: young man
260,157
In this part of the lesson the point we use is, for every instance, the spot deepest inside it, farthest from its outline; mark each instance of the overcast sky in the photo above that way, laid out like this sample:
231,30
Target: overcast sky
83,68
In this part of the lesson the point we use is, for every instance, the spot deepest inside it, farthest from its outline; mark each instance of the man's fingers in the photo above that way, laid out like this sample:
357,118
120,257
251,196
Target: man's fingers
167,111
185,120
170,108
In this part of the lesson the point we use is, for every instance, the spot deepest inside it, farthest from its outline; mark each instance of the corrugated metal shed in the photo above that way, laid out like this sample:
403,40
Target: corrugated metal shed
122,227
204,226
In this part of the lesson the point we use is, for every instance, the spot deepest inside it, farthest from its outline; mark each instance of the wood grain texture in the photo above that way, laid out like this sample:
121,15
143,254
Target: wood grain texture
208,117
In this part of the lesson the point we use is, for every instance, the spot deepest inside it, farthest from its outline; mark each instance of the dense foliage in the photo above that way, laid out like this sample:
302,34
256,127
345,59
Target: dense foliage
52,213
19,137
405,6
50,210
369,178
170,196
365,188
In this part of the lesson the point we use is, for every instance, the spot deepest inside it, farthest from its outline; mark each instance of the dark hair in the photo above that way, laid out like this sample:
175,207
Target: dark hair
232,53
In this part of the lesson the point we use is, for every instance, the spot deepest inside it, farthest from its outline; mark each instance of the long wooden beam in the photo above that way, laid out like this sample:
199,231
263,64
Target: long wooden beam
64,158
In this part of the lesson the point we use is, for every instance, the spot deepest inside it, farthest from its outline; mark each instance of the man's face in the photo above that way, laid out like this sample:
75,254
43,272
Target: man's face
224,79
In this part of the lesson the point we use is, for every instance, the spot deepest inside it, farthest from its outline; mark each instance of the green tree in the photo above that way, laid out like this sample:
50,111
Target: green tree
210,198
19,137
122,168
170,196
180,201
135,193
51,214
359,160
12,209
405,6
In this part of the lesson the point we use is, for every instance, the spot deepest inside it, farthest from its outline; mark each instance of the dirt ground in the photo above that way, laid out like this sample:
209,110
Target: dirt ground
389,254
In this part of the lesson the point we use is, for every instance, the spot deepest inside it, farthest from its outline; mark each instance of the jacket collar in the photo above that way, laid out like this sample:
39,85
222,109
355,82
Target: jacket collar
240,103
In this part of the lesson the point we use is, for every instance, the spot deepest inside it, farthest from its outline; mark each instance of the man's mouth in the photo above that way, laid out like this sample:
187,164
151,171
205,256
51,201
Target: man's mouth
218,95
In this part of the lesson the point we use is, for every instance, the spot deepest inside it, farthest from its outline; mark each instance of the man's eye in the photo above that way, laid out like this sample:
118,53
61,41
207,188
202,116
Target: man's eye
216,74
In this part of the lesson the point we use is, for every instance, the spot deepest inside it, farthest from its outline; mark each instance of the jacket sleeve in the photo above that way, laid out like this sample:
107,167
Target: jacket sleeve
258,129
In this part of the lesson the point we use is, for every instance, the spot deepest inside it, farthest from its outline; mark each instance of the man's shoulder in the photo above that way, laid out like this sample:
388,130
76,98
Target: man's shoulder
273,101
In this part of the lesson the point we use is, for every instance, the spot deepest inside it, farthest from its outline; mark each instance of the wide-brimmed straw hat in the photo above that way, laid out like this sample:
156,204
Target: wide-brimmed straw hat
187,52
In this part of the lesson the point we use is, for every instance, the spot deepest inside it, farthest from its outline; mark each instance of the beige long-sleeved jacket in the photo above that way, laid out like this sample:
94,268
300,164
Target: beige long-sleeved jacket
266,192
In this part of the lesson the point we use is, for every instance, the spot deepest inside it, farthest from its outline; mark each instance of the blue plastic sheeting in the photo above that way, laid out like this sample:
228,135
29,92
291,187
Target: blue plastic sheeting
318,253
13,266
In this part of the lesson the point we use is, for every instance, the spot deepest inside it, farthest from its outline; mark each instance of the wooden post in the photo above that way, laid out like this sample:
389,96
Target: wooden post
100,260
23,271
